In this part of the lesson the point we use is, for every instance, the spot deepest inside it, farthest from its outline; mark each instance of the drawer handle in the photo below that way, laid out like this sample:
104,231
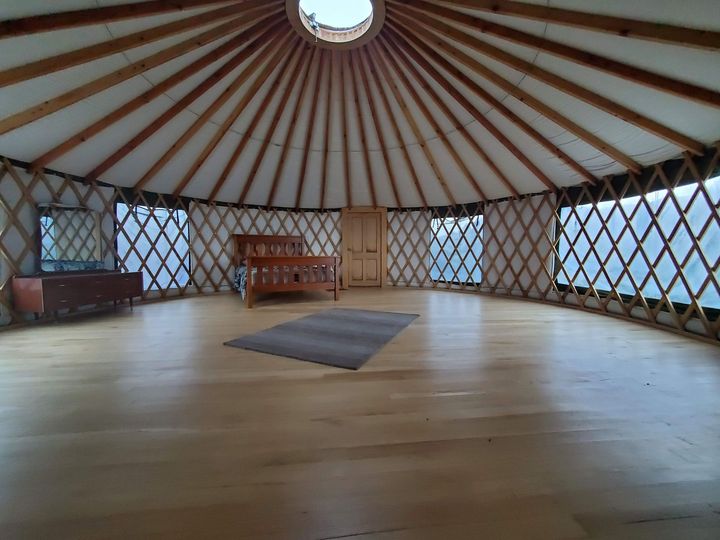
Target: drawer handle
61,285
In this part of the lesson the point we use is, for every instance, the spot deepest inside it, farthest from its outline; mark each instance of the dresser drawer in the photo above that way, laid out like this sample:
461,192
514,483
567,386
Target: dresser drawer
42,294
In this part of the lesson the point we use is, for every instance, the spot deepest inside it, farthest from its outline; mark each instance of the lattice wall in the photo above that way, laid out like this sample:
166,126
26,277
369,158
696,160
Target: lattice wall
182,247
641,247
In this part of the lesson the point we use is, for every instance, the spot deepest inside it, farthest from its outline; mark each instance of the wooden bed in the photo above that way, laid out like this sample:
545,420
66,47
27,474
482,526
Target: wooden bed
277,263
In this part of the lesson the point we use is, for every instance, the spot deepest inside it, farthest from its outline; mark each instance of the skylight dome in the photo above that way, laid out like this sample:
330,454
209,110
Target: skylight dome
336,22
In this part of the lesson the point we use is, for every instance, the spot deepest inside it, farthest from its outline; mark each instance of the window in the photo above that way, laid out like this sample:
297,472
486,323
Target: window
156,242
645,231
456,249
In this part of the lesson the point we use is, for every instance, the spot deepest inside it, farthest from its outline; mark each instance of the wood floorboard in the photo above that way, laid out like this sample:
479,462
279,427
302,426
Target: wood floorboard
487,417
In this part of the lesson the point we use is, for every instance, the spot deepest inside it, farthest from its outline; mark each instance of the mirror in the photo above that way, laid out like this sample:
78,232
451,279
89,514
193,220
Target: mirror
70,238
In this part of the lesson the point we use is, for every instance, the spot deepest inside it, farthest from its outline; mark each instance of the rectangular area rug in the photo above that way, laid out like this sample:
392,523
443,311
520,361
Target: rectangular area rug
345,338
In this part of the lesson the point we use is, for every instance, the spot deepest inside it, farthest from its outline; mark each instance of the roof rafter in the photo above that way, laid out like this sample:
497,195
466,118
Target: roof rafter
322,60
112,79
627,72
363,135
620,26
143,99
197,125
457,124
346,143
504,110
175,109
478,115
529,100
413,124
66,60
222,130
302,60
378,130
326,138
264,75
396,130
562,84
101,15
290,132
420,104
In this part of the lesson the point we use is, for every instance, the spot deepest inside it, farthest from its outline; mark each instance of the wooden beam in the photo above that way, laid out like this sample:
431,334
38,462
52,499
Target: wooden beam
504,110
310,127
290,132
361,128
102,15
145,98
420,104
107,81
479,116
197,125
380,61
66,60
378,130
279,111
560,83
174,110
286,57
619,26
396,130
529,100
457,124
326,139
346,146
626,72
276,44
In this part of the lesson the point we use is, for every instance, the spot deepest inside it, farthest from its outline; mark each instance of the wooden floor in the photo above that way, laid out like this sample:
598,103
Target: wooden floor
486,418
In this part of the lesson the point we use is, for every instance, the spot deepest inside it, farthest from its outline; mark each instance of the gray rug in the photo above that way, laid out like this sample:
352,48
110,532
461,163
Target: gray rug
345,338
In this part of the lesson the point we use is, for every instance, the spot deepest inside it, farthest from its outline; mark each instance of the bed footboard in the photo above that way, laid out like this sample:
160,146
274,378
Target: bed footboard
276,274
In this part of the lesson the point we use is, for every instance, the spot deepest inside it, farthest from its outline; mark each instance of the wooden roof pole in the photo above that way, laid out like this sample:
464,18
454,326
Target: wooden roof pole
396,130
457,124
290,132
627,72
560,83
102,15
361,128
309,132
529,100
174,110
326,138
62,61
107,81
346,145
145,98
380,60
420,104
505,111
276,43
207,114
378,130
302,60
479,116
620,26
280,54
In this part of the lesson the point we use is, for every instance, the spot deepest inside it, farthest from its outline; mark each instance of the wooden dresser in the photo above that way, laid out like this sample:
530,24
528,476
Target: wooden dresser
45,293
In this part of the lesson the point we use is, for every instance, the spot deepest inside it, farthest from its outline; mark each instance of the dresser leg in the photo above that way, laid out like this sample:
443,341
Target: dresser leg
131,303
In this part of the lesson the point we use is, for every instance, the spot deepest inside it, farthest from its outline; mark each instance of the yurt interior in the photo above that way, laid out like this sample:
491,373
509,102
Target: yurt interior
359,269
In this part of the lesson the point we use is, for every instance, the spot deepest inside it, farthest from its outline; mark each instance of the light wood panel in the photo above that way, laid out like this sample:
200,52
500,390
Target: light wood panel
485,418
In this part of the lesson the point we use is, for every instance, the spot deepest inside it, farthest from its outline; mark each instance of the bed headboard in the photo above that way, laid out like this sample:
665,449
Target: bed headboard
259,245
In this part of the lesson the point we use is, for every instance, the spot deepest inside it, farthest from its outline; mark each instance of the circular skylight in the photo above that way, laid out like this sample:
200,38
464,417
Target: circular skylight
338,14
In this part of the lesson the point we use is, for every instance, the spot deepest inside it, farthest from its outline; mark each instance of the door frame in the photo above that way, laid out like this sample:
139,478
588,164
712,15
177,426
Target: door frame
345,234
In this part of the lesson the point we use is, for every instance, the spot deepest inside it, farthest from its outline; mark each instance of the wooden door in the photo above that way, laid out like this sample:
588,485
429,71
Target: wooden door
364,242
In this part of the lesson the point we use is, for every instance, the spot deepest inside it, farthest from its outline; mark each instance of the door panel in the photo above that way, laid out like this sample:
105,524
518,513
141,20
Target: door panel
364,247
